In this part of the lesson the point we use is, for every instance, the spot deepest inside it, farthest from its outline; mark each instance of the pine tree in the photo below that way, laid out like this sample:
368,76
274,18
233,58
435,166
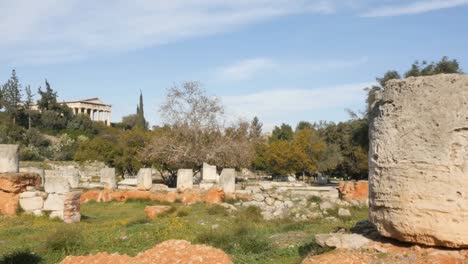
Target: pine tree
141,121
48,100
12,96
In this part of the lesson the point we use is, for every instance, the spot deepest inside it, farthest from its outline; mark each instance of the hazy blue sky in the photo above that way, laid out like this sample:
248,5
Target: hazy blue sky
283,60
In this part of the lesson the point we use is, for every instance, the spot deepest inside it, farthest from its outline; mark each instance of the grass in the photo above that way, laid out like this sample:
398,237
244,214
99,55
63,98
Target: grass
124,228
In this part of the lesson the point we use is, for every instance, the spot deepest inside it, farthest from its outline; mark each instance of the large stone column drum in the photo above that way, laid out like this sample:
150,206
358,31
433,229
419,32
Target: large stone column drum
418,161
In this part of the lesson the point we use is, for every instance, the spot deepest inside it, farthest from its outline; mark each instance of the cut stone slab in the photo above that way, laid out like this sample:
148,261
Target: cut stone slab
56,184
130,182
418,160
184,179
209,173
9,158
31,203
108,178
144,179
227,180
54,202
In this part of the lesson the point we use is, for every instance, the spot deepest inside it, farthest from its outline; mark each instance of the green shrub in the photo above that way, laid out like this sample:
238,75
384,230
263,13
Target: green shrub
242,238
251,214
183,212
21,257
216,210
66,239
314,199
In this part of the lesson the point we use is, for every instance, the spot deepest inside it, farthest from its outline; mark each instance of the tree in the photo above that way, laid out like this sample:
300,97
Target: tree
28,103
445,65
255,131
279,156
130,121
193,133
11,92
303,125
389,75
48,98
284,132
189,105
140,116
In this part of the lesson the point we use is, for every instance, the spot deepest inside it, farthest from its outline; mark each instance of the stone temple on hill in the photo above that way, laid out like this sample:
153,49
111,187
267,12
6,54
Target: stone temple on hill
96,109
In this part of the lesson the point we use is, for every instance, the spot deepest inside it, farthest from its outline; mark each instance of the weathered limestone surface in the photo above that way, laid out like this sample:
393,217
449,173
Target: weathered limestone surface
227,180
108,178
144,179
209,172
9,158
418,161
184,179
56,184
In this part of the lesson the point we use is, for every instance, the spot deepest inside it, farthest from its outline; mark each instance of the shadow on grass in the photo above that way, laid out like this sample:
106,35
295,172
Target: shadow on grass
20,257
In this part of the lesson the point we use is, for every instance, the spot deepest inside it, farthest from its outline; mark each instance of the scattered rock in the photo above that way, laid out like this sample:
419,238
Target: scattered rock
344,212
336,240
153,211
354,191
168,252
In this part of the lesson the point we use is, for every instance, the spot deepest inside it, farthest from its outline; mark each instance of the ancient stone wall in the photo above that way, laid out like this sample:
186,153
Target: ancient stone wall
418,161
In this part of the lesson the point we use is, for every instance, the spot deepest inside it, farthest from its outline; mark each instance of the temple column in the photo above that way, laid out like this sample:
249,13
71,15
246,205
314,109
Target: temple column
108,118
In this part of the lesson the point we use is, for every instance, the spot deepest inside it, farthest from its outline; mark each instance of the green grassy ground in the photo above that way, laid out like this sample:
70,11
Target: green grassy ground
123,228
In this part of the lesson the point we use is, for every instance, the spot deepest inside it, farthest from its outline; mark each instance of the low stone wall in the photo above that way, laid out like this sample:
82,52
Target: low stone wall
211,196
22,191
298,200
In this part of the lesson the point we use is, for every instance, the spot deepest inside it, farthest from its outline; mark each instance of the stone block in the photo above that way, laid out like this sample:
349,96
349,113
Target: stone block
108,178
73,177
184,179
71,210
144,179
35,170
9,203
18,182
54,202
56,214
227,180
353,191
9,158
31,203
209,173
56,184
418,160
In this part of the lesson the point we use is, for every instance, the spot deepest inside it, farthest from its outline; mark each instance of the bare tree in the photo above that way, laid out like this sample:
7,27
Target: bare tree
193,133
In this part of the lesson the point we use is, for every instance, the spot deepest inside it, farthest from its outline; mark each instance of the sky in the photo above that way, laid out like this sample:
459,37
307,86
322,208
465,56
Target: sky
281,60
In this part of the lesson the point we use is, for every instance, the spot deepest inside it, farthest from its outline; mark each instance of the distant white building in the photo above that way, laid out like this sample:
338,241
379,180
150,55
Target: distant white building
96,109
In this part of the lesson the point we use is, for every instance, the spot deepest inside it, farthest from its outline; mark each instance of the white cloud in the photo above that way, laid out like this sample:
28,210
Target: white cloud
413,8
56,30
272,106
247,69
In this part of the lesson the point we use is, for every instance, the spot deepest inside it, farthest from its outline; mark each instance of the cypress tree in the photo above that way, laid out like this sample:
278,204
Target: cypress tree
141,121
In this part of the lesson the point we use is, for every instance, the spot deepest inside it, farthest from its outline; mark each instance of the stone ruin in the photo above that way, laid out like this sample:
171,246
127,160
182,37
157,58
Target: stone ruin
24,190
418,161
